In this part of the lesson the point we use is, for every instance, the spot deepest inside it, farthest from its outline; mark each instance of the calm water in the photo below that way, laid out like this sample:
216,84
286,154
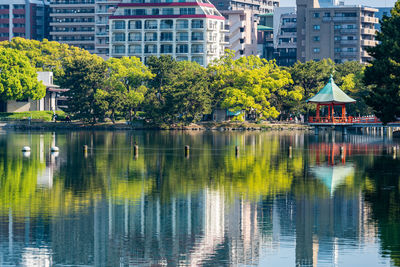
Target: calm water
313,206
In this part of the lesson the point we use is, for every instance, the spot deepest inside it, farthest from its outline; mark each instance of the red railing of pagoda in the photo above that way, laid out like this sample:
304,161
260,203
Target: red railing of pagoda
330,119
349,119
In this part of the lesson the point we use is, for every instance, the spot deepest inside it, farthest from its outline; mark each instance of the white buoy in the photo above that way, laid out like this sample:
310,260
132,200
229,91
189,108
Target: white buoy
26,149
26,154
54,149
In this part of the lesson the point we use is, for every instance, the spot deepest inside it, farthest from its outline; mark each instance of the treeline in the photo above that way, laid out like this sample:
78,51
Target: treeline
167,91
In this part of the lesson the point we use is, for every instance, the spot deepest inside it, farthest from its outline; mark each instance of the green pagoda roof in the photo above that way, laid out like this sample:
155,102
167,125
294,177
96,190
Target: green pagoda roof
331,93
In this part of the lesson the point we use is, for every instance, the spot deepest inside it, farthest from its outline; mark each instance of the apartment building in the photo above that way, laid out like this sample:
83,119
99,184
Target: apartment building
277,37
342,33
23,18
103,10
73,22
191,30
242,19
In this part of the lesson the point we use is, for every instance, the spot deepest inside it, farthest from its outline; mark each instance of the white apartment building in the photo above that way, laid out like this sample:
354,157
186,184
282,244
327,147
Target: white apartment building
191,30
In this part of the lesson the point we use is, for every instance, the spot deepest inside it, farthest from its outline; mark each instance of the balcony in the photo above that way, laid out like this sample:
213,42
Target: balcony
348,42
344,19
348,31
368,31
369,19
349,54
368,42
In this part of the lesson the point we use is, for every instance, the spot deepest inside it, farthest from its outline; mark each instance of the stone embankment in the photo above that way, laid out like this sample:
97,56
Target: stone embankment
214,126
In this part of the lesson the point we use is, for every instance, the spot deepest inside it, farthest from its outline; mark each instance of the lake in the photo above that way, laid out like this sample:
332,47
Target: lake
285,199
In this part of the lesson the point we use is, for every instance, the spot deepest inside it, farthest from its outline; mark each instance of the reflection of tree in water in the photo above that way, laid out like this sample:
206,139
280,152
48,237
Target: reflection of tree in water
384,196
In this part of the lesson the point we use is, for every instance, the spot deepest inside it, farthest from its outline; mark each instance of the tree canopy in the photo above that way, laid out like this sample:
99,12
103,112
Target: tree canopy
18,79
383,75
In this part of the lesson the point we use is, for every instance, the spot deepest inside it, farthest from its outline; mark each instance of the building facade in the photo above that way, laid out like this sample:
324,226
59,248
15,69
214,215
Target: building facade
342,33
242,19
192,31
73,22
277,36
23,18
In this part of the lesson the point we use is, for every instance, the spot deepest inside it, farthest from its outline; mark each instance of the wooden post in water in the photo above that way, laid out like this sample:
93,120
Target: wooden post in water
237,151
85,151
187,149
290,152
135,151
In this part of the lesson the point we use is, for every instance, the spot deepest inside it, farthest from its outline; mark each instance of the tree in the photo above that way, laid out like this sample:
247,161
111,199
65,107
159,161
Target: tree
179,91
125,88
249,84
46,55
18,79
84,76
384,73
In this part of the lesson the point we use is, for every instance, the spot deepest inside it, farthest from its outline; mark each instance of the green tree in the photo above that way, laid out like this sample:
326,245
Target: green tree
384,73
84,76
249,84
125,88
179,92
18,79
46,55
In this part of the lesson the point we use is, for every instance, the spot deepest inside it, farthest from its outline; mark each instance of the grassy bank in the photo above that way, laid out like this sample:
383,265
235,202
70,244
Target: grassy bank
35,115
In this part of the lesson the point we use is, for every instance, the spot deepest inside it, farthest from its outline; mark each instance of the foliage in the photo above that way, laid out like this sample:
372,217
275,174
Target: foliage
179,92
248,84
18,79
46,55
384,73
124,90
84,76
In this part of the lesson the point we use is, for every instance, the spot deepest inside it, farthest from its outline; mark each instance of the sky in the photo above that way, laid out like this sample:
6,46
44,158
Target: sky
373,3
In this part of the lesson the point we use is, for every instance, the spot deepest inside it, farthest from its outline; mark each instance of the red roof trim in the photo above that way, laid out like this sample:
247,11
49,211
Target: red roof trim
164,4
168,17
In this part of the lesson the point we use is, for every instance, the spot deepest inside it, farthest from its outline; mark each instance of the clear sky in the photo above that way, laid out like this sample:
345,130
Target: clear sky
373,3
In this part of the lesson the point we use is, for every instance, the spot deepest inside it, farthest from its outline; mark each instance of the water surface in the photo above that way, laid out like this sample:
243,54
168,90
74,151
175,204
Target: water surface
311,205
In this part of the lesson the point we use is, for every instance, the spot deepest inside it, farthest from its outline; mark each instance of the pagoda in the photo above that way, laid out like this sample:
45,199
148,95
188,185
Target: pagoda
331,95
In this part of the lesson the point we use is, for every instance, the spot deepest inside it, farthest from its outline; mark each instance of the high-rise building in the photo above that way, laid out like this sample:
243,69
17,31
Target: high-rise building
191,30
342,33
277,36
73,22
242,18
103,10
23,18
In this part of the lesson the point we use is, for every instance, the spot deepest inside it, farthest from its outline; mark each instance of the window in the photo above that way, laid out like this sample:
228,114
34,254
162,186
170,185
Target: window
150,36
135,49
199,60
337,26
316,15
168,11
327,14
197,48
119,25
166,36
316,50
197,36
182,24
119,37
155,11
350,26
118,49
135,24
182,36
150,49
338,49
317,27
150,24
316,39
167,24
166,48
197,24
350,49
182,48
139,12
135,36
187,11
337,38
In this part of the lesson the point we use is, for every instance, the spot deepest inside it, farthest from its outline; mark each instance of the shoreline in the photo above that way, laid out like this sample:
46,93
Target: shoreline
120,126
